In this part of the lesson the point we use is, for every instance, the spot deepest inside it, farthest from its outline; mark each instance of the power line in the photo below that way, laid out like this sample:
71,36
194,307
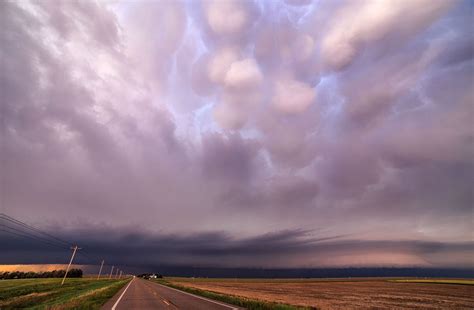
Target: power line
33,232
33,229
91,259
30,237
20,223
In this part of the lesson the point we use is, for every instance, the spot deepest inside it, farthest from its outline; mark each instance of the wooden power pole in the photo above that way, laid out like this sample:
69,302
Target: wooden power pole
75,248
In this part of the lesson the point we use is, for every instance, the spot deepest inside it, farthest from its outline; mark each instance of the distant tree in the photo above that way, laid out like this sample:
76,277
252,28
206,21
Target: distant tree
57,274
73,273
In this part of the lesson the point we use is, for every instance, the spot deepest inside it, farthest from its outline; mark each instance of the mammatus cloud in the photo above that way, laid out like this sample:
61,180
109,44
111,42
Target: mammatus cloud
228,18
220,64
245,118
243,75
350,33
292,97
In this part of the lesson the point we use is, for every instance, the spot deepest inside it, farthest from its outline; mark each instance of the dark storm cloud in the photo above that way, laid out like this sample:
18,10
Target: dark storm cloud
277,250
243,117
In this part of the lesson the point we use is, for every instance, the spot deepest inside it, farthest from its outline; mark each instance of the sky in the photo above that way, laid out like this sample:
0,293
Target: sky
296,133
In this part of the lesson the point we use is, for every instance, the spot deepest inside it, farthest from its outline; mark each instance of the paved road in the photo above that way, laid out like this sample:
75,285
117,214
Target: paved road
145,294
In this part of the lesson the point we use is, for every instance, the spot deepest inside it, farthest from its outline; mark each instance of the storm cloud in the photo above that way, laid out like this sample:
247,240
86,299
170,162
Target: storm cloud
226,132
281,249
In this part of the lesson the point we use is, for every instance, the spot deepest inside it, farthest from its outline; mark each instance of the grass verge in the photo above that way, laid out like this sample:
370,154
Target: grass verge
49,294
437,281
247,303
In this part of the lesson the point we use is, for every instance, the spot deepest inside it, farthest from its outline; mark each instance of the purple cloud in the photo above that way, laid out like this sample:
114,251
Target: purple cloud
246,118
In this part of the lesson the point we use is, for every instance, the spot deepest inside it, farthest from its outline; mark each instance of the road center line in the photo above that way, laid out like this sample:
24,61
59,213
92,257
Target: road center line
167,303
196,296
123,293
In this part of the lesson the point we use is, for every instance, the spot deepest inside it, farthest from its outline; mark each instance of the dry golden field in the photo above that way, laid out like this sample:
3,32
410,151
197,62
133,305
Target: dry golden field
345,293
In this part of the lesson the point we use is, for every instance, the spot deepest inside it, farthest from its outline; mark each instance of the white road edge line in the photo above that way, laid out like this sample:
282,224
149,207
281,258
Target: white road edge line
203,298
123,293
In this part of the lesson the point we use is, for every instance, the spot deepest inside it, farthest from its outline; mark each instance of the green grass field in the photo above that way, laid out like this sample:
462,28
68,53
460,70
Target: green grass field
48,293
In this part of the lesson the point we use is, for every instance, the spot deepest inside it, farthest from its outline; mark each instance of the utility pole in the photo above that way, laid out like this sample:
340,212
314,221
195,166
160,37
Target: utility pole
116,274
75,248
120,277
100,270
111,270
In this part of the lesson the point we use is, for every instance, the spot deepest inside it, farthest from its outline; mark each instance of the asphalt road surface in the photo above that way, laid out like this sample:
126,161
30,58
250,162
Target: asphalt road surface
145,294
